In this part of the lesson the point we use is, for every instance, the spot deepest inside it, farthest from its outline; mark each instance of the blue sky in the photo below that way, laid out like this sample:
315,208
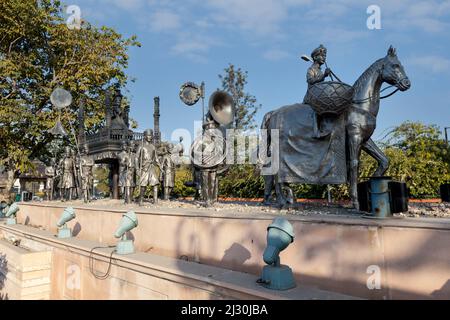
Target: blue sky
194,40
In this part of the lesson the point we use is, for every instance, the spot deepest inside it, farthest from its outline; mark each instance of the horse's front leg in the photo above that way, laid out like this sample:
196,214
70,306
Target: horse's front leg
383,162
281,199
268,187
355,139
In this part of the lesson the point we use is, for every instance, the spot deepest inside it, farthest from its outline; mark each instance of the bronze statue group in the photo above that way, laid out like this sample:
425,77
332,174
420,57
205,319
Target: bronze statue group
319,141
142,165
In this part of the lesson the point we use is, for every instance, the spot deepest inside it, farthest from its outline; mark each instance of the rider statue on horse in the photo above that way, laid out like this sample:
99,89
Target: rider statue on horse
314,76
320,140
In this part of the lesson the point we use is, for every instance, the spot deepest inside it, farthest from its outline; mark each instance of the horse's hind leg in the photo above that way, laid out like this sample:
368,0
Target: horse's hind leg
285,196
268,187
383,162
281,199
354,148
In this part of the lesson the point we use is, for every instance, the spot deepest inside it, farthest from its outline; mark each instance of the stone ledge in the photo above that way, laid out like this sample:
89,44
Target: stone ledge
350,219
26,274
194,274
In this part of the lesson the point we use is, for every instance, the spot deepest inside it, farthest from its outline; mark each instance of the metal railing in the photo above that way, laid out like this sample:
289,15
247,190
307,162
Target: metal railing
114,135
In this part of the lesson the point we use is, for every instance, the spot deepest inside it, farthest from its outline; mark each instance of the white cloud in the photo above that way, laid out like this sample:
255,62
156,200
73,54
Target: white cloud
435,64
194,46
430,16
275,55
338,35
164,20
129,4
275,23
203,23
260,17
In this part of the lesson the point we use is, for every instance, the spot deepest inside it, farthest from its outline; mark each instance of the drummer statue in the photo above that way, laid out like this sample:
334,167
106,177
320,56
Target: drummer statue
147,163
315,75
50,173
209,180
126,171
168,171
87,174
68,175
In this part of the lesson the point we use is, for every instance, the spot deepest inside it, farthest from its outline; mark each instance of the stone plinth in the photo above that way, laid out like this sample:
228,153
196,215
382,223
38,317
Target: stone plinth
24,274
80,271
334,253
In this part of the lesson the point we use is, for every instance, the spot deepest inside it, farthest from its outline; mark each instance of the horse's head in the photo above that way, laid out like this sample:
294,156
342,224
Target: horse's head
393,72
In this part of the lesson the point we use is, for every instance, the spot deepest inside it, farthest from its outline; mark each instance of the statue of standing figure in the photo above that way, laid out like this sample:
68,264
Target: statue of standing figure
68,175
178,152
168,171
146,164
87,174
50,173
123,161
126,171
209,181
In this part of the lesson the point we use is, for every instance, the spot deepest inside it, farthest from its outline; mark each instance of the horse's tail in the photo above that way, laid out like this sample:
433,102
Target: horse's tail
264,146
266,120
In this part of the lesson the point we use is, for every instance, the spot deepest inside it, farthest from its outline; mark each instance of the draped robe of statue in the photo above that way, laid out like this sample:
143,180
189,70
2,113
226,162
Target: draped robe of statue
131,170
87,178
123,158
50,174
168,170
147,160
68,174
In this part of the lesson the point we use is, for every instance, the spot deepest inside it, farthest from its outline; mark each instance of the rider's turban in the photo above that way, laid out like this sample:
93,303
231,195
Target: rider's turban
318,51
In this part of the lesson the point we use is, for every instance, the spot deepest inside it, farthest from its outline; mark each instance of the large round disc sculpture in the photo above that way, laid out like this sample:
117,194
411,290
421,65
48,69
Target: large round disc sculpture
190,93
60,99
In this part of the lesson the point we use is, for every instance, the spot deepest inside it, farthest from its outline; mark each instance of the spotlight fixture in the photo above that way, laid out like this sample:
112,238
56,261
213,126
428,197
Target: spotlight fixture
129,221
3,208
276,276
63,230
11,214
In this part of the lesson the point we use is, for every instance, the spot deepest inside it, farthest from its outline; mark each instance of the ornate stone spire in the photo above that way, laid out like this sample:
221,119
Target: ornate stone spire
156,115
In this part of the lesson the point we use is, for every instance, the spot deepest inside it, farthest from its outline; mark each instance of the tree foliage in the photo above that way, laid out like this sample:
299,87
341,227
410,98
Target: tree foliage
234,82
418,155
101,175
38,53
183,175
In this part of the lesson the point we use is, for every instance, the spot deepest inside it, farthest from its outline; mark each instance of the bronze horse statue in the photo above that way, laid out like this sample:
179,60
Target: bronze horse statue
359,123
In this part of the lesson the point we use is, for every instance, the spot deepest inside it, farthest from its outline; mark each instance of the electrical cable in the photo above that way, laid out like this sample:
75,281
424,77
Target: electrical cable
91,263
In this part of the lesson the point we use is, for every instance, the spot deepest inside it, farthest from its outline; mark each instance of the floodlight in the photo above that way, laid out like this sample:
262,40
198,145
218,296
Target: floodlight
275,275
63,230
11,214
129,221
3,207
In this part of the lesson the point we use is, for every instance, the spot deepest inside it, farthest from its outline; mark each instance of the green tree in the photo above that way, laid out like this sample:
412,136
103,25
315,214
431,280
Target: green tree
234,82
101,175
183,175
418,155
241,181
38,53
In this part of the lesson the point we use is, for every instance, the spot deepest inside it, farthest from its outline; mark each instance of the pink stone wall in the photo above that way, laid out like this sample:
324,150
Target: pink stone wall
331,253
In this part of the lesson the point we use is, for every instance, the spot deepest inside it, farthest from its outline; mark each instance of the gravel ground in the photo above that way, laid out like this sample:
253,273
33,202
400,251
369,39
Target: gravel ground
430,210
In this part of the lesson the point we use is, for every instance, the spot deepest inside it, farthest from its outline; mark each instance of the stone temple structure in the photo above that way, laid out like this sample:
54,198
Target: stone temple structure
106,144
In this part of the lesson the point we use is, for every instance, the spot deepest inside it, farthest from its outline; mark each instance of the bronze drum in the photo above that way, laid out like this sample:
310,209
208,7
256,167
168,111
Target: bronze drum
329,97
